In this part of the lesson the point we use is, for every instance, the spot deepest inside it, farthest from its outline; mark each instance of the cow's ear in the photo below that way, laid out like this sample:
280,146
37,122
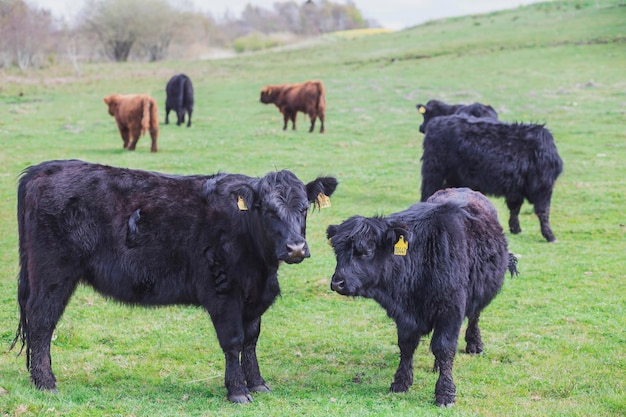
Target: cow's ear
397,238
320,188
245,197
331,231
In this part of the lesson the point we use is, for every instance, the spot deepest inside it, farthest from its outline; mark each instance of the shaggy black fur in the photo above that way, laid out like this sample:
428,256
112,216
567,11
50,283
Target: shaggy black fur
179,98
514,160
436,108
454,266
151,239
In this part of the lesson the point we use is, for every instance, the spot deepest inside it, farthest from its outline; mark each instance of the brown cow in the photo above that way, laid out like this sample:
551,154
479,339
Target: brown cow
307,97
135,114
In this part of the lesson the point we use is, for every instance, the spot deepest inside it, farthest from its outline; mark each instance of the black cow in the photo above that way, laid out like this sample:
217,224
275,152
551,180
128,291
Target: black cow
436,108
429,267
151,239
514,160
179,98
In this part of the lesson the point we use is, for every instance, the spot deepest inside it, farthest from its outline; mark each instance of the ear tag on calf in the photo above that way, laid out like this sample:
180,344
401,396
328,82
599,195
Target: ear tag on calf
401,247
422,109
241,204
323,201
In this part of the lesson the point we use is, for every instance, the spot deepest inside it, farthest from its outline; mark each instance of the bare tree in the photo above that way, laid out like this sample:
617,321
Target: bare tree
157,27
25,34
120,24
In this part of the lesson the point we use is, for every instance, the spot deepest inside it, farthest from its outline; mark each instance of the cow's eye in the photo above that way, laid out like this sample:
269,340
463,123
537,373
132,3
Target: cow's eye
362,253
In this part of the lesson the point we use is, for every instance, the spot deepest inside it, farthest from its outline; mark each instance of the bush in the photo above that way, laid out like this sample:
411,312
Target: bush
255,41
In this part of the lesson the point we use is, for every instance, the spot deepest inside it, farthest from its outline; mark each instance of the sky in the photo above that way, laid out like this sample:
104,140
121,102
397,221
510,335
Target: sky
391,14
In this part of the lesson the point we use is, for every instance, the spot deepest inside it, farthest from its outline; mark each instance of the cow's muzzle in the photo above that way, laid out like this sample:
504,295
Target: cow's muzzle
339,285
297,252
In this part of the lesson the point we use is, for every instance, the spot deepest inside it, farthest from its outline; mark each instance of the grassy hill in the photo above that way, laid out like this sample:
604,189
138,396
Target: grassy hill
554,338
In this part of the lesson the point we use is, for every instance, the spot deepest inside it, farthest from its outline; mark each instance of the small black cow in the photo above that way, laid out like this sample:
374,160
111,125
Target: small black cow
429,267
179,98
152,239
514,160
436,108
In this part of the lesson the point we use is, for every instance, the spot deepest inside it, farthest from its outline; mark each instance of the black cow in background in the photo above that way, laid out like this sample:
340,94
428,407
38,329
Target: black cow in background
146,238
429,267
179,98
514,160
436,108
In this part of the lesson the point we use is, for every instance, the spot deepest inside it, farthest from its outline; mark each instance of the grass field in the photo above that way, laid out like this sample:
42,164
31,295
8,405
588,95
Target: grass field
555,343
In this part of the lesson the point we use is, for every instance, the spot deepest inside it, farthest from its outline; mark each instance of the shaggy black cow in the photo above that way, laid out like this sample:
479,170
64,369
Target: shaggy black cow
517,161
151,239
179,98
436,108
429,267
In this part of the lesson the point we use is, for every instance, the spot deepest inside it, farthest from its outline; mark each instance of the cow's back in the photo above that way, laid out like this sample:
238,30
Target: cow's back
463,146
83,212
487,245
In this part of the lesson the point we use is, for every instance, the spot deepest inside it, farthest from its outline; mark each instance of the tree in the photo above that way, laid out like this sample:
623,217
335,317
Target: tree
25,34
120,24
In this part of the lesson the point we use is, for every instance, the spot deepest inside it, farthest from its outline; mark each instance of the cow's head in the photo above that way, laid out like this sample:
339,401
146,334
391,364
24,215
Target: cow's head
362,247
275,207
269,94
112,101
432,109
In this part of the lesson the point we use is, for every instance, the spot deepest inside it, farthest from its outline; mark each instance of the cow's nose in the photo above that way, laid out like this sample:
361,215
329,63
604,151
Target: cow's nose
297,250
338,285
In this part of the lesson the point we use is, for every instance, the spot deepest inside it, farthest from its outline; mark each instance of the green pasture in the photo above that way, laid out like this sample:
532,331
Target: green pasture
555,343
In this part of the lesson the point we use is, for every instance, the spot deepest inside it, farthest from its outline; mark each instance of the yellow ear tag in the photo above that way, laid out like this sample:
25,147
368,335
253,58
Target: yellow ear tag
401,247
422,109
323,201
241,204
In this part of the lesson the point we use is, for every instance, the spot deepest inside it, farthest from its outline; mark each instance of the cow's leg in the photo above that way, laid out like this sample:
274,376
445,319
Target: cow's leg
321,116
249,362
294,115
167,115
135,132
43,310
228,323
443,346
286,117
312,116
408,339
432,179
124,132
472,336
542,210
180,117
189,118
154,136
514,204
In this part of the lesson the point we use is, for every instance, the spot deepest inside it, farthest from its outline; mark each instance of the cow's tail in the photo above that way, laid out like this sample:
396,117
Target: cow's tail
147,113
23,288
321,97
182,91
513,265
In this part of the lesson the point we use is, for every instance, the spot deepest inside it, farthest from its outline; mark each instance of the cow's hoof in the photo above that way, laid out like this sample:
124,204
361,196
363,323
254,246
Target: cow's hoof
398,387
47,384
240,398
474,349
447,405
260,388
